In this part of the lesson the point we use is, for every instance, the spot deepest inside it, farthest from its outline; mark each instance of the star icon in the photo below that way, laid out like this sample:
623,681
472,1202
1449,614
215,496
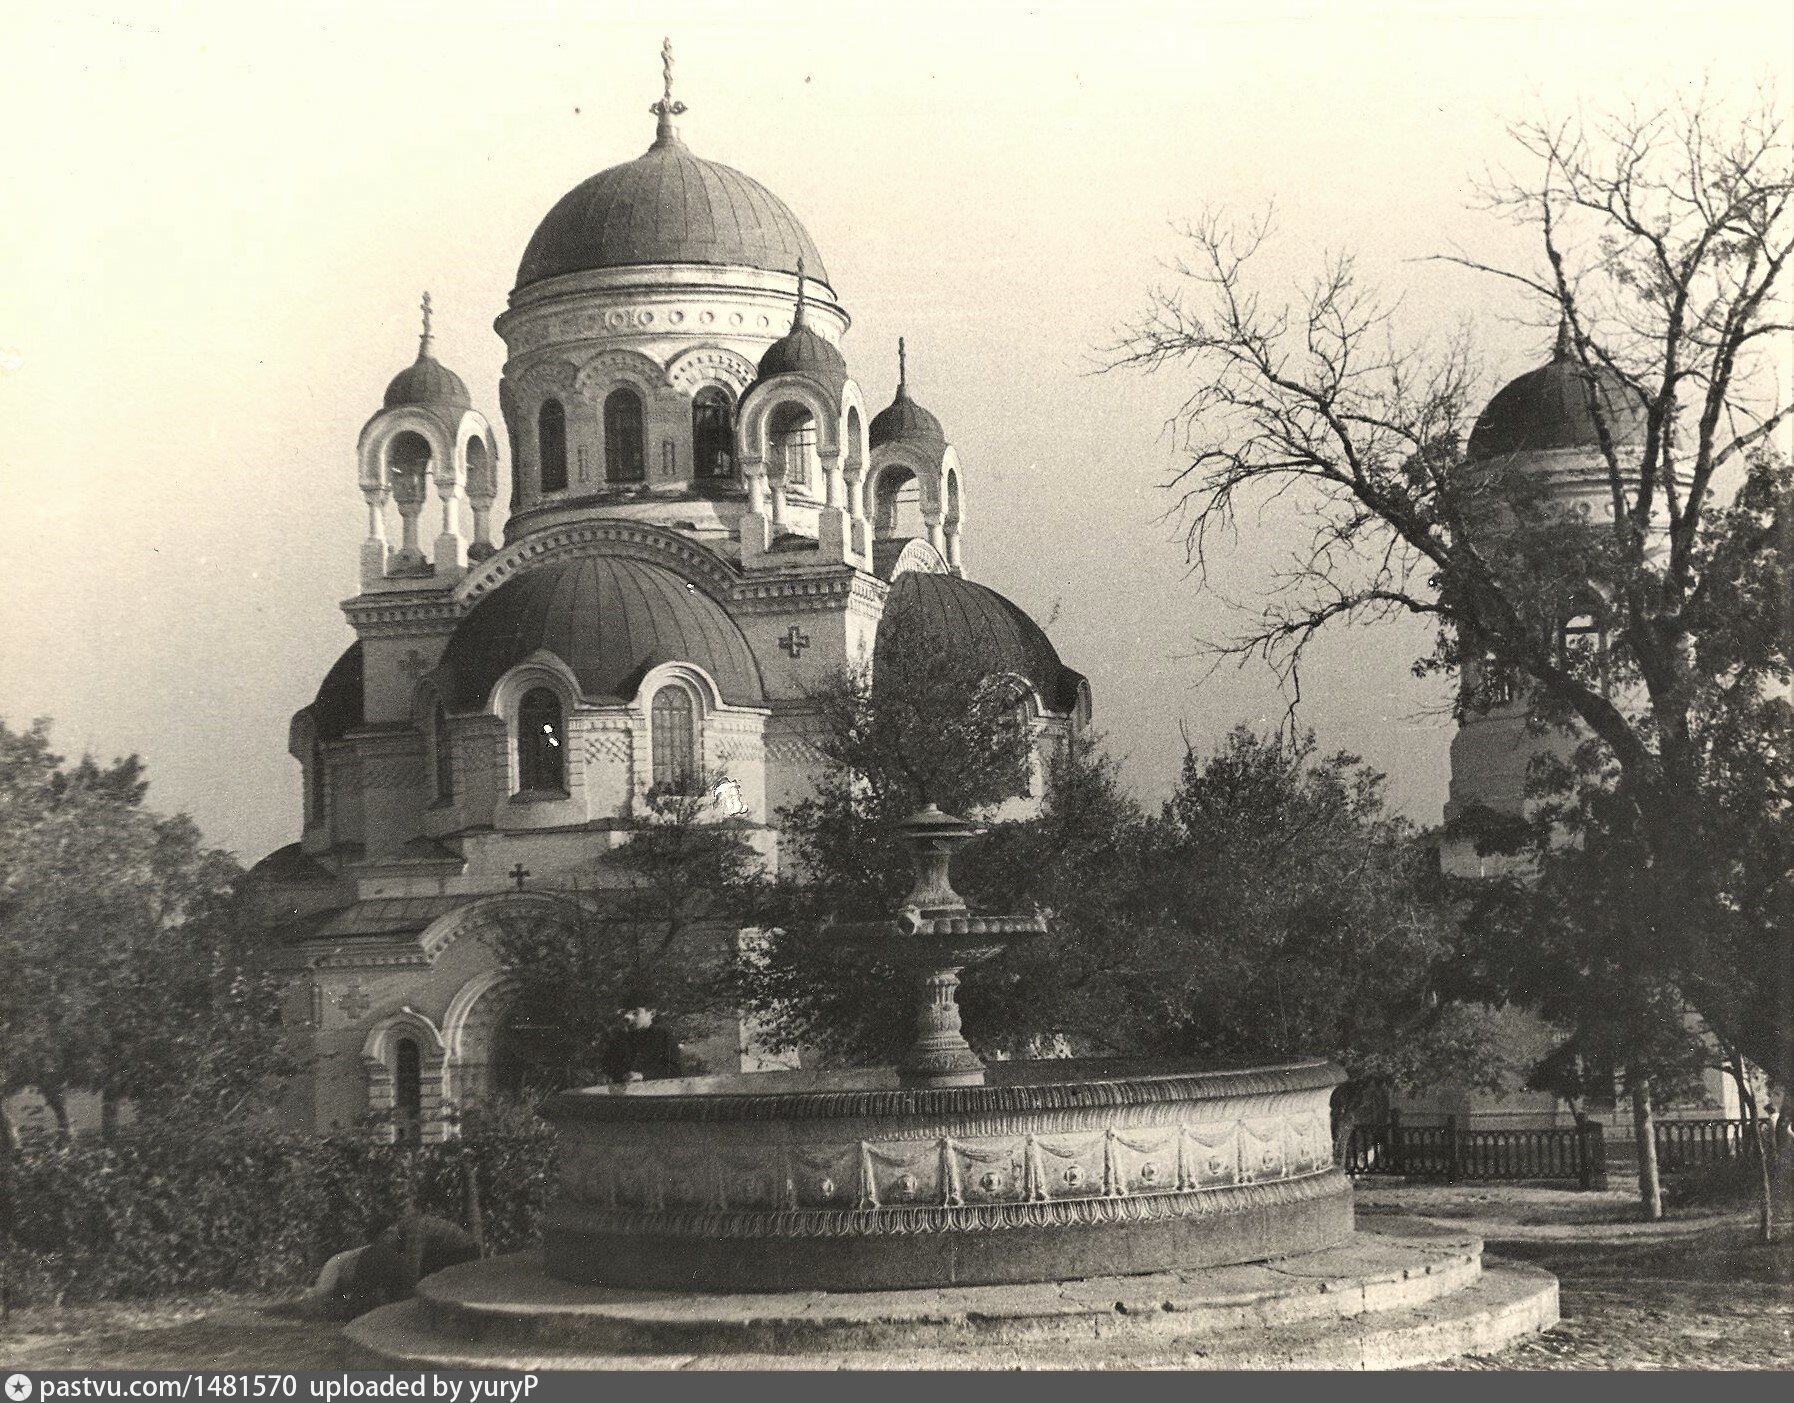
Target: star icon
18,1388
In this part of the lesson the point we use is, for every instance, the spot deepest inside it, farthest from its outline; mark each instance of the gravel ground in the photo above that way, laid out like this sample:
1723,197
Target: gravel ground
1688,1294
217,1332
1721,1300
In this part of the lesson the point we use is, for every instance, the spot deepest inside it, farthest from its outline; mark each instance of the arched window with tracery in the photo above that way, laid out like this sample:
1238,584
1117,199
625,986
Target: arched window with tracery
408,1092
443,746
551,445
625,449
674,741
541,742
712,437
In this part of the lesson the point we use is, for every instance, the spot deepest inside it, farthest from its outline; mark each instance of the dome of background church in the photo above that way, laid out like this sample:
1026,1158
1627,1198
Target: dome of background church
668,206
1552,407
956,612
609,619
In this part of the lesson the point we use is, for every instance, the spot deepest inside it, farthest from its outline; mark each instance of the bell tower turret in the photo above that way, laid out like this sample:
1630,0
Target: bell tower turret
427,435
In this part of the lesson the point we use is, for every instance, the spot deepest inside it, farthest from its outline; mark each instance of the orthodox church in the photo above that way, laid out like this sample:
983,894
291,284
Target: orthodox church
1538,439
704,523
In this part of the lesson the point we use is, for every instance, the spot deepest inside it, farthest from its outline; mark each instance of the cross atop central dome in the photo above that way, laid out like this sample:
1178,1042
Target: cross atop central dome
668,206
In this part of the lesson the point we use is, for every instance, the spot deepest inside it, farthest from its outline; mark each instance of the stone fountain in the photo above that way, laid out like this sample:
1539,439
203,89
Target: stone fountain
805,1217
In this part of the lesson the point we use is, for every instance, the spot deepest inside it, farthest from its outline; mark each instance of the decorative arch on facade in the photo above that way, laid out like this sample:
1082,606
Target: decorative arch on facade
920,556
597,377
380,1058
722,734
692,369
373,448
634,540
475,917
469,1034
754,417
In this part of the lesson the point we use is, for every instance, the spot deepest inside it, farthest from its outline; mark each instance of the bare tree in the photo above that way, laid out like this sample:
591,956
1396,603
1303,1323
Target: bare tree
1663,240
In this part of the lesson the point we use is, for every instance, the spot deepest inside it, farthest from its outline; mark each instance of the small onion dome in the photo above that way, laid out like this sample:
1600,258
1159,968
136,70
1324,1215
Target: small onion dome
977,622
1553,407
338,707
903,420
804,352
426,380
801,351
610,619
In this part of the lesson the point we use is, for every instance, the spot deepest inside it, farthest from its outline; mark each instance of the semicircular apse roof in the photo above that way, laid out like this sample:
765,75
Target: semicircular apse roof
961,614
609,619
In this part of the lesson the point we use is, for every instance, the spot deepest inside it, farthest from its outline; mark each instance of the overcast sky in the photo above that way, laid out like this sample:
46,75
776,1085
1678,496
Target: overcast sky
218,226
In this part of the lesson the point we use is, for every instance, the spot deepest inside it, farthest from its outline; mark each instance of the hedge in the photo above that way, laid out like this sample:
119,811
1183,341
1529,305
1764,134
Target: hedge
150,1215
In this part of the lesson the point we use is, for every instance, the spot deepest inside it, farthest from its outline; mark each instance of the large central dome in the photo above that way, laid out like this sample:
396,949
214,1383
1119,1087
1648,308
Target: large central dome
668,206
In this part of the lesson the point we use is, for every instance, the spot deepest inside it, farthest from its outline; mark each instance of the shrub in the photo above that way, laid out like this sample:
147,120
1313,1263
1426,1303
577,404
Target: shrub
154,1214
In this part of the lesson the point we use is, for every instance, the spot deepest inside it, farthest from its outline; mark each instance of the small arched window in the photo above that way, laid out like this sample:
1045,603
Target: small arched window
317,785
445,756
541,742
625,453
675,741
712,438
408,1091
551,445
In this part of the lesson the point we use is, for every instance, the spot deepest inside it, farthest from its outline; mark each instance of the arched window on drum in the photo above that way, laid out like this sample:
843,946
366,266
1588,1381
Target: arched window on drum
551,445
712,436
541,743
674,722
625,448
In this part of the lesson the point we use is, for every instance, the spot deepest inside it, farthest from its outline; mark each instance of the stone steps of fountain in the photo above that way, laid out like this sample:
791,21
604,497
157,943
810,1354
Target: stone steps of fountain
1378,1302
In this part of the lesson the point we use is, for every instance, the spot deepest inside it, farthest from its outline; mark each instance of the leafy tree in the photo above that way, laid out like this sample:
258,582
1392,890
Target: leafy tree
131,968
1314,923
1571,930
658,923
1663,243
921,723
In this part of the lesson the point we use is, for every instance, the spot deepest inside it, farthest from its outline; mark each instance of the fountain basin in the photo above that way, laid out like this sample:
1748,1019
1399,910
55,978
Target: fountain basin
850,1181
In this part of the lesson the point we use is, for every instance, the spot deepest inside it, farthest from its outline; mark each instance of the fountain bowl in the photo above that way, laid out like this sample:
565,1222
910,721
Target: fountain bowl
853,1181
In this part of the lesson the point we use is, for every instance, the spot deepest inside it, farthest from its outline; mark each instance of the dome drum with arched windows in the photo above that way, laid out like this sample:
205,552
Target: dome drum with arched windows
1559,406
